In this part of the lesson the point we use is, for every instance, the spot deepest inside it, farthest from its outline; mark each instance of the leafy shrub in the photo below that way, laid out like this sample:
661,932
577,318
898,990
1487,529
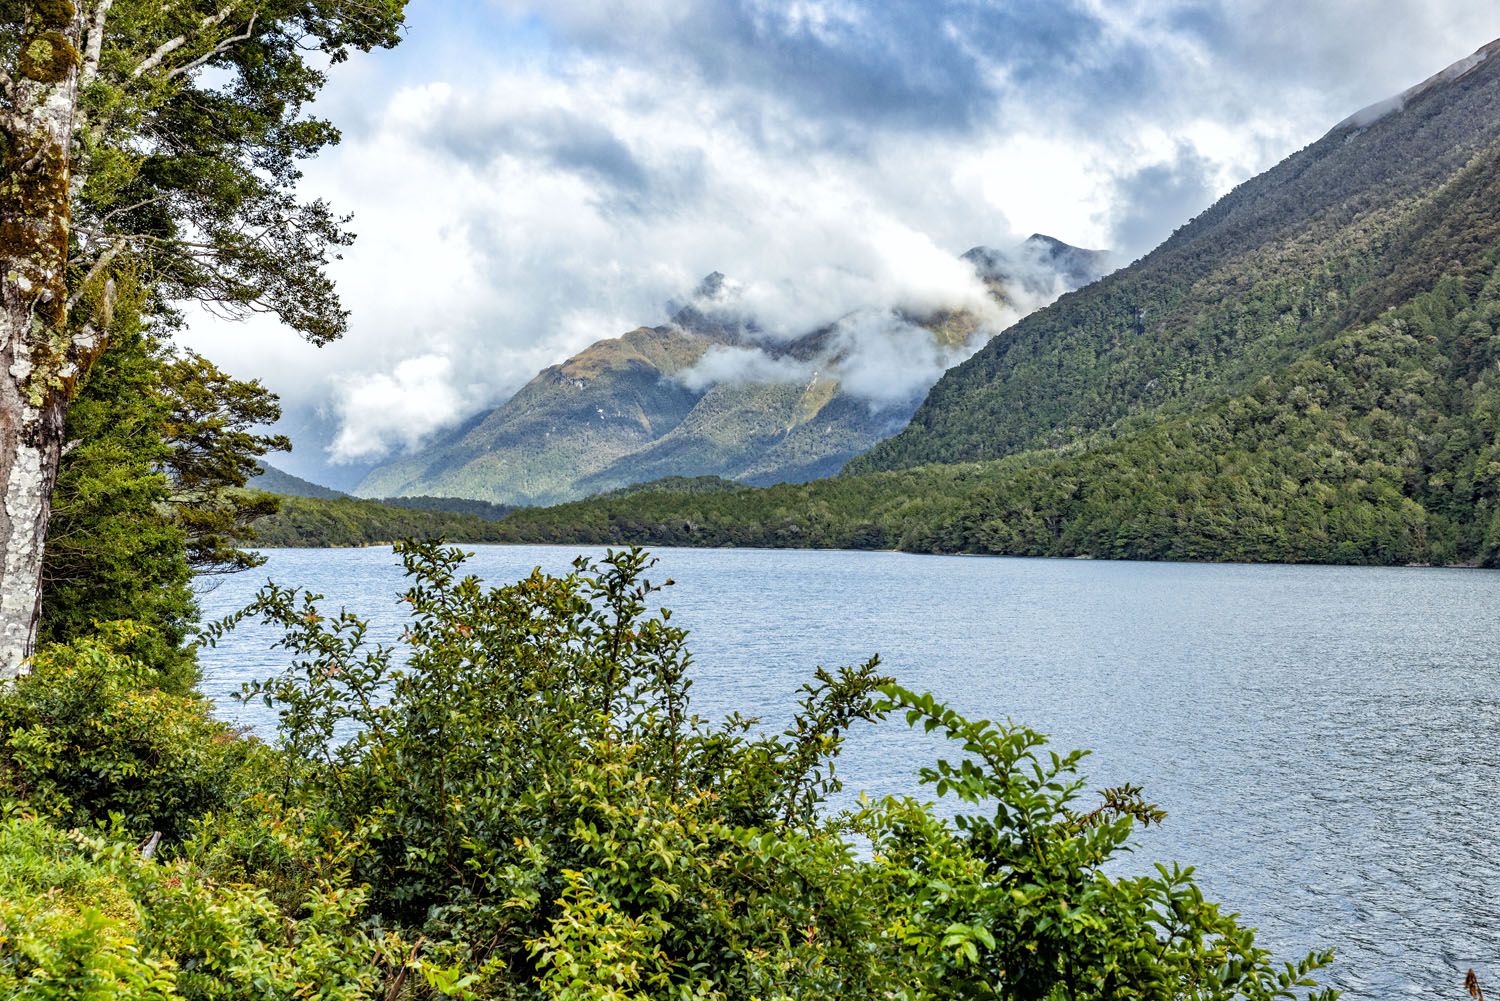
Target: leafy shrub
86,918
537,740
87,735
1012,899
67,925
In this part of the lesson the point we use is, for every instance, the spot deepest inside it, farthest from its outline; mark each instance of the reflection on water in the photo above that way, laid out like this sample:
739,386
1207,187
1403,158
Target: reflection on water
1325,739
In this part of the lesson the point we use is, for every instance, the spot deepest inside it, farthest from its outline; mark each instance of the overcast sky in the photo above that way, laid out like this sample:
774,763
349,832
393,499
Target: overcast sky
529,177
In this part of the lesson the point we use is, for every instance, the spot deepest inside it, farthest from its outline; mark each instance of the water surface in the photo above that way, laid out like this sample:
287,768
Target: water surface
1325,739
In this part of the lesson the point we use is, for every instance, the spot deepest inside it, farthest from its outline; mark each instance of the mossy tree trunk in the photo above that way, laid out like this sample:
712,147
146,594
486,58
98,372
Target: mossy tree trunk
96,98
40,358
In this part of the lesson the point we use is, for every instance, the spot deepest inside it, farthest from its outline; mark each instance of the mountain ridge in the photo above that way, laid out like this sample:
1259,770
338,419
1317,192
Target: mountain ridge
708,393
1168,325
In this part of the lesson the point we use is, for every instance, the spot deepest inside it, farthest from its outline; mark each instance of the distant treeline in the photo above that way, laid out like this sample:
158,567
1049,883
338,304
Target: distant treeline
312,522
451,505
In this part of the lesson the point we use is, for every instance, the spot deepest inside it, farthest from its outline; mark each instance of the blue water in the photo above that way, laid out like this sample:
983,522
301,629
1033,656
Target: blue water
1325,739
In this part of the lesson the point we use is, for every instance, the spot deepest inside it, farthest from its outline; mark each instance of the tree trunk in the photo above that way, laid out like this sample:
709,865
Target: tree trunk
30,447
39,361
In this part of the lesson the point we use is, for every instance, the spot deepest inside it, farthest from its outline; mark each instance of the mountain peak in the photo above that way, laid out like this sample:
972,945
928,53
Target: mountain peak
1365,117
1039,263
710,310
1050,242
711,287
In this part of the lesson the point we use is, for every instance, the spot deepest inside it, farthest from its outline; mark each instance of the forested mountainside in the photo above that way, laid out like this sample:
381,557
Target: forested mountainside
307,514
1309,371
1329,238
627,410
274,481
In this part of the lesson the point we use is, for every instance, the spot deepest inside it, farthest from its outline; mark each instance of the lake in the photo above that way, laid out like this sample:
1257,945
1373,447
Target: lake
1326,740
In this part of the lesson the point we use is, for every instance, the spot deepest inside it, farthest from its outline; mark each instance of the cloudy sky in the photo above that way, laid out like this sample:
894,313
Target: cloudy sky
528,177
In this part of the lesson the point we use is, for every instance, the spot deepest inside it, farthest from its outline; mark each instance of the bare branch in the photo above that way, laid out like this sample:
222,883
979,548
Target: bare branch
219,49
170,46
93,44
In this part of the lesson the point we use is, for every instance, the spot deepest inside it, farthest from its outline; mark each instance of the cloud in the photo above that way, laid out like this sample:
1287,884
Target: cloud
382,412
737,366
877,356
1155,199
887,360
530,176
882,353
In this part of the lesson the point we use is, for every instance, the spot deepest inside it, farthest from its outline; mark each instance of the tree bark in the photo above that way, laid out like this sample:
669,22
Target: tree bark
39,360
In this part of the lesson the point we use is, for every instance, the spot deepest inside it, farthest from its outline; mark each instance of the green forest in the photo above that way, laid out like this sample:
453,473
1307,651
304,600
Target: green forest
309,521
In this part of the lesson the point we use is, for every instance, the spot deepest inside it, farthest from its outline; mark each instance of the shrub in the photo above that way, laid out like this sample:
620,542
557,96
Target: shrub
87,735
86,918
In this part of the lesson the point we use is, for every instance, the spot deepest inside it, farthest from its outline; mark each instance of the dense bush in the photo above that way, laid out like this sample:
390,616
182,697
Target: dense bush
86,918
88,734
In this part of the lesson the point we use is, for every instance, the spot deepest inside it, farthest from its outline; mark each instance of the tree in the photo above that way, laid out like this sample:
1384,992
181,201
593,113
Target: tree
153,143
150,491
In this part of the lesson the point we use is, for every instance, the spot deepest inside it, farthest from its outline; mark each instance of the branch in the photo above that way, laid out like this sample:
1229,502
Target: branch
94,272
165,49
93,43
219,49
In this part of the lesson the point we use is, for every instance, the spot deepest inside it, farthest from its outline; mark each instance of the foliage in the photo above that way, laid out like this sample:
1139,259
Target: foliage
1012,899
214,449
86,918
192,120
149,495
88,735
300,522
539,814
113,552
68,927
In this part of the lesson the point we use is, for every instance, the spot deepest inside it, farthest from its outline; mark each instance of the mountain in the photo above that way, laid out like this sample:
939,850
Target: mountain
274,481
709,394
1321,242
1307,371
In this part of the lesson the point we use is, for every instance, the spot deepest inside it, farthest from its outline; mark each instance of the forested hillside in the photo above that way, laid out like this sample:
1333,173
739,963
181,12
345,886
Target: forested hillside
1307,372
273,481
711,393
1359,221
303,522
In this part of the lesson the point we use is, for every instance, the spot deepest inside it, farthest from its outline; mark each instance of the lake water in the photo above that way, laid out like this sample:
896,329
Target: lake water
1325,739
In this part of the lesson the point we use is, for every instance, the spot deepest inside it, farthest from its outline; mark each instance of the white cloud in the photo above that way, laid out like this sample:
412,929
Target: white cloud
381,412
734,366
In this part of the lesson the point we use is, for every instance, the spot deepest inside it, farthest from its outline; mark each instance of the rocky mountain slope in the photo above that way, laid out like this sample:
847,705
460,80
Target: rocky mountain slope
710,394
